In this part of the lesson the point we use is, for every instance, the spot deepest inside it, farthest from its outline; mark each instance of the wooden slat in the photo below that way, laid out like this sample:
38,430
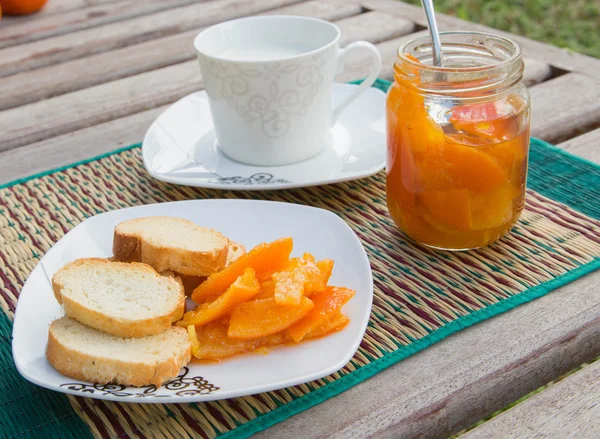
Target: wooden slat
136,30
564,59
59,6
565,107
358,67
61,114
587,146
43,26
77,74
535,71
80,109
56,6
333,10
463,378
52,7
74,75
376,27
75,146
568,409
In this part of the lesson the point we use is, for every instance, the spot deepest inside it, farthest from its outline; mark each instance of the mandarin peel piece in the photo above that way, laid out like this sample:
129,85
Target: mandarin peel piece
339,322
242,290
265,259
326,268
301,277
260,318
246,317
327,305
215,345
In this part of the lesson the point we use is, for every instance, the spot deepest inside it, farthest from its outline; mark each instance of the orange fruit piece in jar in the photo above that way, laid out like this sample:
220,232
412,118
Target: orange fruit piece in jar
409,174
492,209
211,342
327,305
265,259
497,121
449,209
454,166
475,118
412,58
260,318
510,154
242,290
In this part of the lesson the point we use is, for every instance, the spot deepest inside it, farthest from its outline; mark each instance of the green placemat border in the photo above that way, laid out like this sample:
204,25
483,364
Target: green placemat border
563,187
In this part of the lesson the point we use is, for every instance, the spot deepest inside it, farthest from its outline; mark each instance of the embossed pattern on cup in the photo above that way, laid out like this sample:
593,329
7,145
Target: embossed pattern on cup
273,110
292,88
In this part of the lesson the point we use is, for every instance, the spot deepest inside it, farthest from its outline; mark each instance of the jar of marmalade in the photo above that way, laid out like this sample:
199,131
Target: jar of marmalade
458,140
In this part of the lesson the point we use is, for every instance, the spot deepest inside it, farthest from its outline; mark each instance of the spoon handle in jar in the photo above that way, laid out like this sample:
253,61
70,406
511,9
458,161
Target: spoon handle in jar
436,45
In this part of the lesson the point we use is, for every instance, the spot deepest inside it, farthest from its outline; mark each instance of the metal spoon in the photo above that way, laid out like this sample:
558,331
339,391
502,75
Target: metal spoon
436,45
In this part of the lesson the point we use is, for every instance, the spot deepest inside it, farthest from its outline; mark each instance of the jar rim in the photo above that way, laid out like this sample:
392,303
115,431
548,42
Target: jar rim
426,41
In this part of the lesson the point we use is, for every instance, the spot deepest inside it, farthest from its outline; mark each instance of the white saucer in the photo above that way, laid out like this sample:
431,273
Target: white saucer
181,147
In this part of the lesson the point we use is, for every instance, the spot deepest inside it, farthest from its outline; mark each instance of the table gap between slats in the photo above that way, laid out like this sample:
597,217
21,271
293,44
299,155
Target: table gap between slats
566,409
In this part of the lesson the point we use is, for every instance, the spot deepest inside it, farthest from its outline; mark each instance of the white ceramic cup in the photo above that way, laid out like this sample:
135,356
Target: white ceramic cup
269,80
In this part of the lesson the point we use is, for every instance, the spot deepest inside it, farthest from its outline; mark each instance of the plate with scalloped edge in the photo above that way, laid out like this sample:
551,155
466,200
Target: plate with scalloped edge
250,222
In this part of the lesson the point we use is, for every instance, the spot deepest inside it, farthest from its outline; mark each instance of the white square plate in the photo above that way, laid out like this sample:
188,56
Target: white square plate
249,222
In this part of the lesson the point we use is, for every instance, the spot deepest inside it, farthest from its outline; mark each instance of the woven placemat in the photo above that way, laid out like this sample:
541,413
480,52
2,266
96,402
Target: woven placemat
421,295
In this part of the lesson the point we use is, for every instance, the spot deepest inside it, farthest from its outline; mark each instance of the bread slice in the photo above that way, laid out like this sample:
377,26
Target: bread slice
236,250
83,353
122,299
190,283
168,243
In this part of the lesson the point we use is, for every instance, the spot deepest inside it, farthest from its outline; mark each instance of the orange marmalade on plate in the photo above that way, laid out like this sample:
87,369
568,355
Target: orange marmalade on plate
458,140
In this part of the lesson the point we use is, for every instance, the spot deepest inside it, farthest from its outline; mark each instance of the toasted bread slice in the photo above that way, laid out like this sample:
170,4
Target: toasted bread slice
83,353
191,282
236,250
122,299
168,243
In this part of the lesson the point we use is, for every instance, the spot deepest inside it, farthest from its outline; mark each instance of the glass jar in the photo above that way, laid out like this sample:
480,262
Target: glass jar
458,140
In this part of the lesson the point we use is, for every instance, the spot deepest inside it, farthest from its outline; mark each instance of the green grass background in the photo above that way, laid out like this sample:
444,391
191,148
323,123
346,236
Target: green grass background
572,24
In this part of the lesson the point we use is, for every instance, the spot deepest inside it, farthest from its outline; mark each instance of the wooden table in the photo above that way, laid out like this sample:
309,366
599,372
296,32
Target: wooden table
85,77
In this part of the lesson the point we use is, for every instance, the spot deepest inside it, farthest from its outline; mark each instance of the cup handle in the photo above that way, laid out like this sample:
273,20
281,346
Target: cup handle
375,58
